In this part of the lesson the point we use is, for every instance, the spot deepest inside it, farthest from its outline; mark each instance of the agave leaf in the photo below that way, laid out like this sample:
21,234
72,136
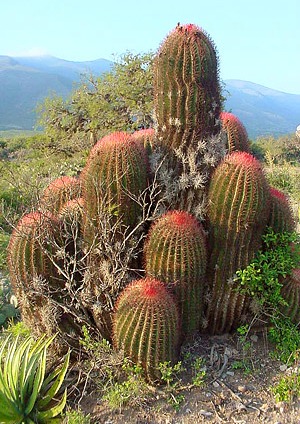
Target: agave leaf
53,412
56,385
38,380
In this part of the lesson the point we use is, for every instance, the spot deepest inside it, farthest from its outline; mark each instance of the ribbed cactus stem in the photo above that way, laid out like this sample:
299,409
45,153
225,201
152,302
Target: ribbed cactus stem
237,137
186,88
291,294
59,192
238,200
281,217
176,254
114,177
146,326
31,249
146,137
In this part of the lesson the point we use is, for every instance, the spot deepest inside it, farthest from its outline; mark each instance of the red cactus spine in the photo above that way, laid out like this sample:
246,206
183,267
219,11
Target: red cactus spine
238,202
59,192
237,137
146,326
186,88
176,254
115,174
281,215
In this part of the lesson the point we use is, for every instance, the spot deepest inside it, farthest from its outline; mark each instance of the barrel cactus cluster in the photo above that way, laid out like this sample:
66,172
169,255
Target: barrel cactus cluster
143,246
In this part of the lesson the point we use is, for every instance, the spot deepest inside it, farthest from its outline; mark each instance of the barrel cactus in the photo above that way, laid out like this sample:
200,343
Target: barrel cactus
281,215
238,208
237,137
176,254
31,260
58,192
146,326
291,294
114,177
186,88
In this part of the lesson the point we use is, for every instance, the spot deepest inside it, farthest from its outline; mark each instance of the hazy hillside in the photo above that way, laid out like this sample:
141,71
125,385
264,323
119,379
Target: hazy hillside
25,81
263,110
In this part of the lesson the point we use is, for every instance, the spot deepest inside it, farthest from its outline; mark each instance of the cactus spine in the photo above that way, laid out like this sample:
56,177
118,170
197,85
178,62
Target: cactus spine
59,192
146,325
186,88
176,254
238,200
31,252
237,137
281,215
115,174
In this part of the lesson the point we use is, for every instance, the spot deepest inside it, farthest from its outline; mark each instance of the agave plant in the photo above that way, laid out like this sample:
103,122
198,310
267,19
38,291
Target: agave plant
27,394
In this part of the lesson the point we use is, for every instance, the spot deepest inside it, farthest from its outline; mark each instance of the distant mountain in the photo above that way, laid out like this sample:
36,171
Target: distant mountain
262,110
26,81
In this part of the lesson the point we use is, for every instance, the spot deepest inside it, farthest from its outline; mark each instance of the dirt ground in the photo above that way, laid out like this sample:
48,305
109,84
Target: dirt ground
236,388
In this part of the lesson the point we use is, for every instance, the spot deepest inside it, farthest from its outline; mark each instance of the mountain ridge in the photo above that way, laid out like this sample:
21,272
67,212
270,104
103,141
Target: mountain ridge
27,80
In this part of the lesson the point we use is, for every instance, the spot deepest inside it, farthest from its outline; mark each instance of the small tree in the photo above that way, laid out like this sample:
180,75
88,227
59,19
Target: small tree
119,100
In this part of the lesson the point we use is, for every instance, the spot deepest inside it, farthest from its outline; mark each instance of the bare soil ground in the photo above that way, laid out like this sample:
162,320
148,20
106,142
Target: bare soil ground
236,389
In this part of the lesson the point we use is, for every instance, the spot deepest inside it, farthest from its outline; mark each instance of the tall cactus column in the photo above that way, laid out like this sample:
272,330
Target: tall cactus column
238,202
176,254
186,87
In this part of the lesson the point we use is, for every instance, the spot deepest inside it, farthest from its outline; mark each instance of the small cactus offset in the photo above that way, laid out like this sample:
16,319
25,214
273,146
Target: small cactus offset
176,254
146,326
238,208
114,177
59,192
281,215
291,294
186,88
237,137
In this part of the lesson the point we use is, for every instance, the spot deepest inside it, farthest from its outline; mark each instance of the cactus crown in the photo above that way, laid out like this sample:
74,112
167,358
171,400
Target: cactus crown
237,137
186,88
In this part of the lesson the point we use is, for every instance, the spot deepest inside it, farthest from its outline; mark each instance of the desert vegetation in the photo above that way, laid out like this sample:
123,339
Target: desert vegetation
142,225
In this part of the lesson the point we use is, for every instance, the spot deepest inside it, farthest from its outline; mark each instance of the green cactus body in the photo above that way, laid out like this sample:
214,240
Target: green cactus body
238,207
281,215
146,325
30,247
33,275
186,88
237,137
115,175
291,293
59,192
176,254
146,138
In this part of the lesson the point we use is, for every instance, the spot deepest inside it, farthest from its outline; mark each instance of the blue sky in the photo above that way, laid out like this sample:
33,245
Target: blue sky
257,40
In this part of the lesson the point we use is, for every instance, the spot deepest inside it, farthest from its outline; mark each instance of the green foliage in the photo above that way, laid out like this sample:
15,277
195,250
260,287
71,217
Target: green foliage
262,280
262,277
288,388
4,239
119,100
27,393
128,391
76,417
